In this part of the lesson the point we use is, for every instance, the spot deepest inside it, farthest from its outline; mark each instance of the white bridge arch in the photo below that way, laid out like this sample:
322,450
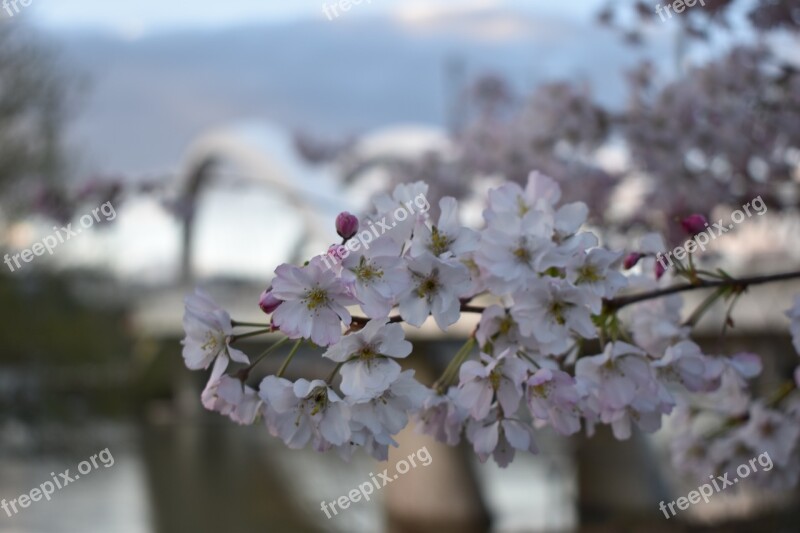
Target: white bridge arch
264,154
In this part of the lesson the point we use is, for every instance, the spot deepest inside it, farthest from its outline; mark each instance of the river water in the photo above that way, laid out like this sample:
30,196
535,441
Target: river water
210,475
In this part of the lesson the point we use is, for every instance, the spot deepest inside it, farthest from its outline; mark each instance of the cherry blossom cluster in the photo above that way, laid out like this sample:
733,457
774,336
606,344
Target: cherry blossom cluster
555,345
763,15
716,431
720,131
752,426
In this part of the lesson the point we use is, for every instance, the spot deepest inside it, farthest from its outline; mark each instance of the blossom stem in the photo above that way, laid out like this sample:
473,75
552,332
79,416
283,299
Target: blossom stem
692,270
784,391
235,338
246,371
236,323
451,371
710,274
333,372
289,358
698,313
531,361
728,321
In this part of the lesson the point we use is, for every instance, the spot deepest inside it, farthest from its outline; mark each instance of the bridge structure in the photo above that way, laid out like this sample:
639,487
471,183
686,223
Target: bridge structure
261,155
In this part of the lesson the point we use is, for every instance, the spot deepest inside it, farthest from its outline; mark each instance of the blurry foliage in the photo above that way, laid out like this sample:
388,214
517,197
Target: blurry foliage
61,358
43,322
719,131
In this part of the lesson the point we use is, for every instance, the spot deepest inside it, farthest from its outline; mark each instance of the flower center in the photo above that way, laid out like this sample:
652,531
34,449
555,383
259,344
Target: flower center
316,298
211,343
366,272
588,274
557,311
494,378
439,242
367,353
506,324
429,286
319,396
522,208
523,255
538,390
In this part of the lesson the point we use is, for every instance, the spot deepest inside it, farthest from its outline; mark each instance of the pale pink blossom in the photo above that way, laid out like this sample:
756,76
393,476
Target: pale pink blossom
500,439
442,417
552,396
314,301
446,239
208,330
367,357
554,312
481,382
305,411
436,288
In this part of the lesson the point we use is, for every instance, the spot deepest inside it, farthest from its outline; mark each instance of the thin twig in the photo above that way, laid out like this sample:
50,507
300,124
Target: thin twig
234,338
289,358
245,372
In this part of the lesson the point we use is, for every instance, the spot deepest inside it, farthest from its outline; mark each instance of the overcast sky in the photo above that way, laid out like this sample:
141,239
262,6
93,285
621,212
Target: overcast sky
136,18
152,95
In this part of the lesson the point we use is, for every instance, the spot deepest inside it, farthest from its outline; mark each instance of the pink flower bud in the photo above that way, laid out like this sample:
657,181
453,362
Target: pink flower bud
346,225
659,270
268,303
631,260
694,224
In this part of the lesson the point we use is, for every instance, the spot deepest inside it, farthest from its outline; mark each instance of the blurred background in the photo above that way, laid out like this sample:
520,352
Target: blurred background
226,136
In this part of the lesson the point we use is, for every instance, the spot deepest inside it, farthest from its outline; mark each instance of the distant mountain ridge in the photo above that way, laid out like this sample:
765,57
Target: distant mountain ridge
148,98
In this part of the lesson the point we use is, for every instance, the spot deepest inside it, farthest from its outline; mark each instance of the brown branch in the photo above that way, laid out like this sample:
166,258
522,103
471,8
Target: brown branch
362,321
615,304
739,283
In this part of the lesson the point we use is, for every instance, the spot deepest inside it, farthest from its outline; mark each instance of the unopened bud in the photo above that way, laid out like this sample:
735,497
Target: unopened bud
346,225
660,269
694,224
631,260
268,303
